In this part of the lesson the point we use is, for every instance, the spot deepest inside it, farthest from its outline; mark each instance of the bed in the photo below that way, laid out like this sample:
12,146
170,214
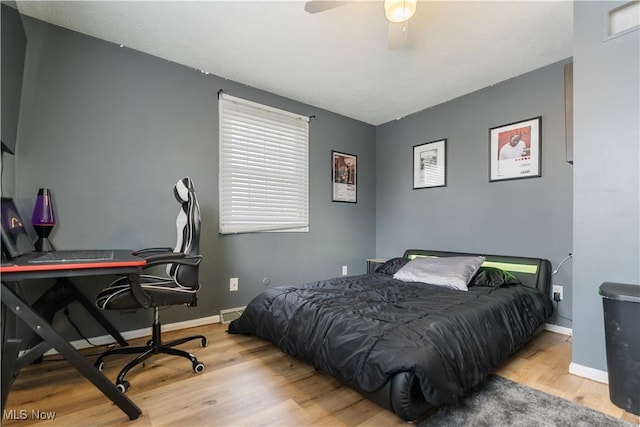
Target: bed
413,335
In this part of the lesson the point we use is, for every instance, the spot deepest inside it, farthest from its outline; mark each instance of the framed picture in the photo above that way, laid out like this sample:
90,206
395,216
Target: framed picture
514,150
344,176
430,164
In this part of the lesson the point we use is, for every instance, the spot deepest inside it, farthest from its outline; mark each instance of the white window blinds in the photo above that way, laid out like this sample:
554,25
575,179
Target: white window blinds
263,171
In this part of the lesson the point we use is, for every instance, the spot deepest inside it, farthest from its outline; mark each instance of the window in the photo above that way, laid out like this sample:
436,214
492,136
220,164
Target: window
264,172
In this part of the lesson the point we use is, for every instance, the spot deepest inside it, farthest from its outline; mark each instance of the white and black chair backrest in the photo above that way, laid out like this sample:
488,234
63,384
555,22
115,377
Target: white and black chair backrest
188,233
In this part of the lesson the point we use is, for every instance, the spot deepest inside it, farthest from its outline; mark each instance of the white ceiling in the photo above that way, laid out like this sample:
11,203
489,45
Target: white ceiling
338,59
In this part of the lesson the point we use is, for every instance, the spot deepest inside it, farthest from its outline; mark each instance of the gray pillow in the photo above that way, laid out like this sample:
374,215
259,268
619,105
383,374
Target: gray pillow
450,272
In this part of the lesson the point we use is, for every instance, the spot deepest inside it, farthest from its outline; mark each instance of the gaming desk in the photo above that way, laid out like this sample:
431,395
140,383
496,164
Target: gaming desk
123,262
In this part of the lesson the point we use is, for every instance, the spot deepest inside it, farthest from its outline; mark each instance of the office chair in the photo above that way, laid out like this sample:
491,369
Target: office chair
150,291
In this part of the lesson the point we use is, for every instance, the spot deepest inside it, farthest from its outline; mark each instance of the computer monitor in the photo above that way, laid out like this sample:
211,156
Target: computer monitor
15,240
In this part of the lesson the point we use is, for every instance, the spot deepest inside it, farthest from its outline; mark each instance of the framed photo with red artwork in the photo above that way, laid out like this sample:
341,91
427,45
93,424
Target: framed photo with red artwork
515,150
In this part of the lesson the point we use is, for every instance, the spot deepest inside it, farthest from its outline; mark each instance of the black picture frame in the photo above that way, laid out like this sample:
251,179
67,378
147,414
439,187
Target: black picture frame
344,177
515,150
430,164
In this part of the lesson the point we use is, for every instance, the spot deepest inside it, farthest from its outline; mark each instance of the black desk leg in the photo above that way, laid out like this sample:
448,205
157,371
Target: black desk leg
31,355
42,328
91,308
9,358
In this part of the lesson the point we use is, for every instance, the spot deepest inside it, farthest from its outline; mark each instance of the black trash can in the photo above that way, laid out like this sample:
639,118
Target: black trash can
621,304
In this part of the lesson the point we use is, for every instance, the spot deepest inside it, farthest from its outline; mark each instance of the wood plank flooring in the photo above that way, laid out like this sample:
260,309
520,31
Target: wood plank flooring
249,382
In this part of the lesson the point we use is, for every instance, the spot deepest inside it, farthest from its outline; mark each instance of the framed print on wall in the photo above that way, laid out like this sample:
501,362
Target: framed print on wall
515,150
430,164
344,176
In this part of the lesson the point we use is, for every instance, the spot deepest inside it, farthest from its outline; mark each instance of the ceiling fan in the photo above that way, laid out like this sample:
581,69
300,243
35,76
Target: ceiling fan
397,12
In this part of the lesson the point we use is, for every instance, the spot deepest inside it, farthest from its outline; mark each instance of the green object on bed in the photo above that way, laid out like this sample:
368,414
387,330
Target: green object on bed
520,268
508,266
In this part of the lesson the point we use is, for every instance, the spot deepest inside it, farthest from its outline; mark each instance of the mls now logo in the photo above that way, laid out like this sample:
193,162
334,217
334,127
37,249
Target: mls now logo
23,414
14,414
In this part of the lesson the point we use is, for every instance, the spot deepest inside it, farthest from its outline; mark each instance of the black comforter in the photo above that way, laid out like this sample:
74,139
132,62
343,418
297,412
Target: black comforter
364,329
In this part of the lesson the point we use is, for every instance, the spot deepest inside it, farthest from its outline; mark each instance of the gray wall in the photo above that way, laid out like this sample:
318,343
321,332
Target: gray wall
110,130
526,217
606,185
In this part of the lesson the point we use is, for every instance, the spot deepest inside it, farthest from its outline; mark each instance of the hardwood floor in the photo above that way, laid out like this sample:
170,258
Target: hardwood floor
249,382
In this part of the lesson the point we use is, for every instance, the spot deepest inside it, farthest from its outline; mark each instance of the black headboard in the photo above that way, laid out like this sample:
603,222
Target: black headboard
532,272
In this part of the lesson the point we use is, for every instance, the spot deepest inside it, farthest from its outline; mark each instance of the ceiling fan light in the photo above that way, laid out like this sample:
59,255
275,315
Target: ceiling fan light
399,10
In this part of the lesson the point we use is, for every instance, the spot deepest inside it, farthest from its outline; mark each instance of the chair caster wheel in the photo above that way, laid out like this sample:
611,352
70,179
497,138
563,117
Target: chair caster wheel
99,365
198,367
204,342
123,386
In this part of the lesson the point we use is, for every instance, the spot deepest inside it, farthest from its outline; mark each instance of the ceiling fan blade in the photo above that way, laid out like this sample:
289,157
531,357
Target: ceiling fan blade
317,6
398,35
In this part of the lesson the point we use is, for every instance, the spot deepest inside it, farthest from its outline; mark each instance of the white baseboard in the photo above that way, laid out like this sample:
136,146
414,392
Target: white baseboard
558,329
574,368
139,333
590,373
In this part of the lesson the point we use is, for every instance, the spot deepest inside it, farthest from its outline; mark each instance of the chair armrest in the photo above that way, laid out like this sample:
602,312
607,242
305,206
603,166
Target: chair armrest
163,258
150,251
139,294
174,258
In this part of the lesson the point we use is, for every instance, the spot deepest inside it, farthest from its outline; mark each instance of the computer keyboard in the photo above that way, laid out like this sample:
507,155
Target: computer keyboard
74,255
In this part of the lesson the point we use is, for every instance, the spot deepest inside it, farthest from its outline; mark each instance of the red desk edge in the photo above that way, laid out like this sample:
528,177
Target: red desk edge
68,266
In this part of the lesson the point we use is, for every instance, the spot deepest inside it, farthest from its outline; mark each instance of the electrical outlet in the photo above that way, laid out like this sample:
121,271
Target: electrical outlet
557,293
233,284
344,270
